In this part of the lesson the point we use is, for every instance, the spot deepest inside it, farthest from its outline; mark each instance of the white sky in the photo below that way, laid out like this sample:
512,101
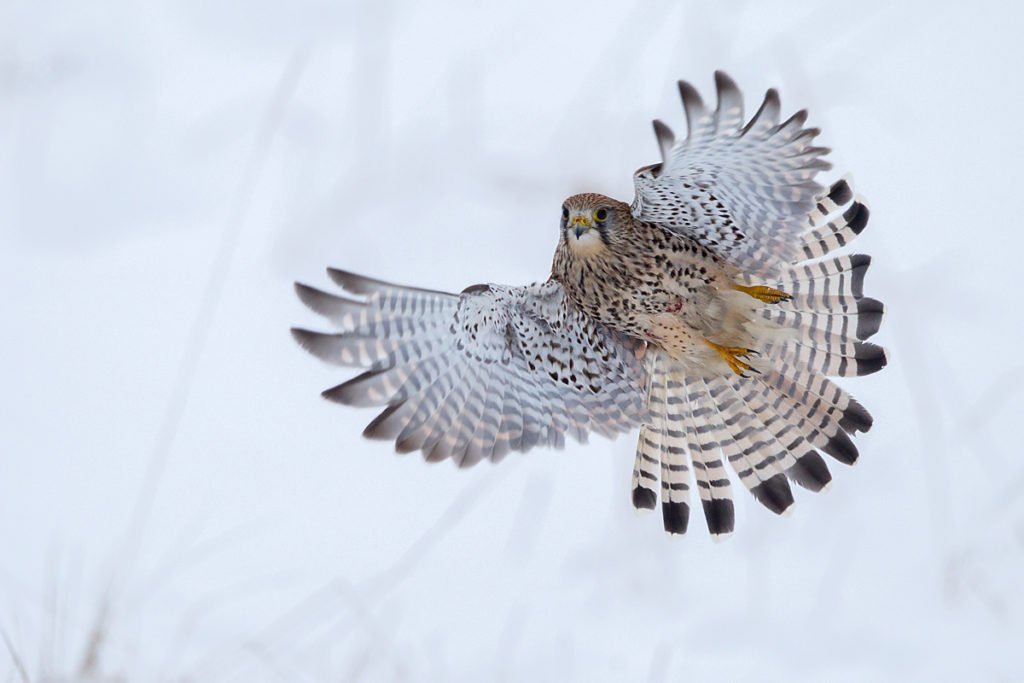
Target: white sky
171,165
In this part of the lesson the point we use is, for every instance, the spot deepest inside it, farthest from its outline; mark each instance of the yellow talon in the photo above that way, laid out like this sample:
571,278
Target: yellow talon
731,355
769,295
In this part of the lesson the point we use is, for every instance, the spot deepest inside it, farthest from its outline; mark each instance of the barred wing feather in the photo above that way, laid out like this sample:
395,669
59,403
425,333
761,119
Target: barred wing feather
476,375
744,191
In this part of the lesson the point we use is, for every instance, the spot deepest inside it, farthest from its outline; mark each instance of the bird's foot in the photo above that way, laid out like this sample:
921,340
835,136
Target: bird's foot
732,355
769,295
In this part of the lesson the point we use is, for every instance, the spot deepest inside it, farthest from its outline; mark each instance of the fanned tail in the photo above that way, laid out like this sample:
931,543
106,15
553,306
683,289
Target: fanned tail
771,427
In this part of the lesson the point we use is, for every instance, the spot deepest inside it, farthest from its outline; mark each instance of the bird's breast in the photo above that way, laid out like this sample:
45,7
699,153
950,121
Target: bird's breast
664,297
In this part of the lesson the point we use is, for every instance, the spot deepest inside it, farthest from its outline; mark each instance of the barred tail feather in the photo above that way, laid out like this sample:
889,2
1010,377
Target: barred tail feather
645,468
773,426
712,479
851,414
827,311
813,416
675,474
662,446
837,195
830,319
755,455
863,358
861,320
708,420
649,445
807,467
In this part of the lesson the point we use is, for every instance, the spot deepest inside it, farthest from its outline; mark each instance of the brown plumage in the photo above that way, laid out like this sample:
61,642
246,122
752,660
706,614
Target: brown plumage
640,279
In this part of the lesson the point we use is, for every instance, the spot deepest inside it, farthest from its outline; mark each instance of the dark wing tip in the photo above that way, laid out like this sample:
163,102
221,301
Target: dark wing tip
380,428
856,418
810,134
436,453
870,313
319,345
336,394
353,393
351,282
644,498
858,269
501,448
774,493
860,260
723,82
305,293
689,94
870,358
729,109
323,303
693,105
301,336
797,120
720,515
662,130
868,305
768,111
341,349
842,449
810,471
666,138
676,517
857,216
406,442
360,284
840,193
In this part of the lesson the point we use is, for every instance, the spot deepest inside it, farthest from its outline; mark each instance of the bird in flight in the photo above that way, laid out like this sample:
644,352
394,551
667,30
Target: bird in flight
710,313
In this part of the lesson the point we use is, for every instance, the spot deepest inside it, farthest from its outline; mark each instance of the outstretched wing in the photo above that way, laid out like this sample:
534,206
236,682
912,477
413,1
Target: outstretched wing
476,375
744,191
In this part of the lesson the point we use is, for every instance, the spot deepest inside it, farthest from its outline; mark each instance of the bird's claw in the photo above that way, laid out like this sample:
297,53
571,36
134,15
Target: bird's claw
768,295
732,355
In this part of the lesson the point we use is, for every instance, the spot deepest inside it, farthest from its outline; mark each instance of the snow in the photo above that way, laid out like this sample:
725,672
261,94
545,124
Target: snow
170,479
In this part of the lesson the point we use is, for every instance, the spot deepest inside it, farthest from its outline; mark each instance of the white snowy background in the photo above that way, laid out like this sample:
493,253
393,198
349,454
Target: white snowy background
177,502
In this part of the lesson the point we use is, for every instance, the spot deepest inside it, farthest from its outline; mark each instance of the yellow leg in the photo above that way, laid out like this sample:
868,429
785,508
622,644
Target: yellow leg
732,354
769,295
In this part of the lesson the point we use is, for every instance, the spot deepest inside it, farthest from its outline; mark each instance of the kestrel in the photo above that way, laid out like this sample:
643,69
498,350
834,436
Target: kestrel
709,313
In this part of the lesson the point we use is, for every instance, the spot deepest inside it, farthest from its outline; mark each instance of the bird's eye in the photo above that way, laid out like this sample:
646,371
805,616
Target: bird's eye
601,214
565,214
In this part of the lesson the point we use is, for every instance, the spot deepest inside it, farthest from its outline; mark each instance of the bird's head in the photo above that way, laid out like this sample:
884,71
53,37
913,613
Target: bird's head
590,222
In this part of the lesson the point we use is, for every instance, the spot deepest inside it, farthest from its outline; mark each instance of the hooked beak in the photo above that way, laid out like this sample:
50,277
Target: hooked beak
580,224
